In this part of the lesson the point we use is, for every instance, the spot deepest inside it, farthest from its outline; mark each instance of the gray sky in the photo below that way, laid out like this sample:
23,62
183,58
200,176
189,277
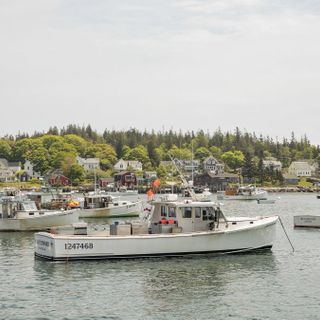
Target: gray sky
160,64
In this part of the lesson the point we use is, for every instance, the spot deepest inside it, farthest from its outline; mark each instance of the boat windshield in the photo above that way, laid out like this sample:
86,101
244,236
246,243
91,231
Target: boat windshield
28,206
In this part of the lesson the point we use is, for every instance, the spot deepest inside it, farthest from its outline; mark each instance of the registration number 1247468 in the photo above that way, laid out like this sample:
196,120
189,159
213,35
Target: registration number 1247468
78,245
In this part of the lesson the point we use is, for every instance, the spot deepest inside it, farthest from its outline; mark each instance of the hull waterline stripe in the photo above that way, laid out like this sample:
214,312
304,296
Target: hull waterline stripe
155,255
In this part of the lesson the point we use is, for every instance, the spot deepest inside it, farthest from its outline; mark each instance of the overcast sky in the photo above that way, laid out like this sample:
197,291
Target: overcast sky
161,64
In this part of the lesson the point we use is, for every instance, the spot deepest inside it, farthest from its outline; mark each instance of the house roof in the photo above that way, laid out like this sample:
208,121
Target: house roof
209,158
106,179
123,173
4,162
300,165
14,164
220,175
133,162
272,162
129,162
88,160
58,175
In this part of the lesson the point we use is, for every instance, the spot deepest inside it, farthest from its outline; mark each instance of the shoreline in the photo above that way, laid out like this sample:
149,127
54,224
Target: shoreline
292,189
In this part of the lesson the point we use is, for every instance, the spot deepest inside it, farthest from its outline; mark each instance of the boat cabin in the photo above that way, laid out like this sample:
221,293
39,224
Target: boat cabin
188,215
98,201
240,190
10,208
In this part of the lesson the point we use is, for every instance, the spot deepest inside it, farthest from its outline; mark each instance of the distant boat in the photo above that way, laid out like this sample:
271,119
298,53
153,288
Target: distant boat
266,201
103,205
312,221
243,193
205,196
23,215
123,191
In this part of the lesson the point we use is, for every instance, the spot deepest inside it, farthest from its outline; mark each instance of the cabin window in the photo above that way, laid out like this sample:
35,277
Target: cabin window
204,214
172,212
187,212
163,211
197,212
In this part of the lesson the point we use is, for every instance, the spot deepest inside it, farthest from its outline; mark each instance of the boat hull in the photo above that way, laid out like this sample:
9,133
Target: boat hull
38,223
128,210
257,196
58,247
307,221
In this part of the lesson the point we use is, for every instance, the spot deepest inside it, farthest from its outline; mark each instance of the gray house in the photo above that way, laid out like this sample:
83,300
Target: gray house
215,182
212,164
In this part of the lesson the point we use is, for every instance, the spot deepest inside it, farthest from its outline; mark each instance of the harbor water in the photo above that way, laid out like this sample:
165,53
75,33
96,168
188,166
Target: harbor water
277,284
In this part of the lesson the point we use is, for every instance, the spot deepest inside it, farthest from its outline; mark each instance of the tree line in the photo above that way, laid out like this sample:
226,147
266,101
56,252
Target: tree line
239,150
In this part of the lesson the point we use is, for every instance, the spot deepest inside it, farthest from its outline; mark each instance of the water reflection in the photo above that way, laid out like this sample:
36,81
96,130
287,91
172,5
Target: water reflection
276,284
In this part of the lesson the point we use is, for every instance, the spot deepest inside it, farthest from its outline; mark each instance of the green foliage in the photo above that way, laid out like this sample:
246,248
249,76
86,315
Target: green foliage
76,174
179,153
79,143
202,153
5,149
162,171
58,149
39,157
126,152
215,151
102,151
248,168
304,183
233,159
139,153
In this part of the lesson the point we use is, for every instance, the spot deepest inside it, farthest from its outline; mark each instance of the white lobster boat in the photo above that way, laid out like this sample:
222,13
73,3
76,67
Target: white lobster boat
243,193
174,228
307,221
100,205
23,215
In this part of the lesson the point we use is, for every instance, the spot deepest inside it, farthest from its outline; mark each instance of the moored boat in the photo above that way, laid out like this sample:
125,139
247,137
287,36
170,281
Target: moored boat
266,201
124,191
23,215
243,193
102,205
311,221
174,228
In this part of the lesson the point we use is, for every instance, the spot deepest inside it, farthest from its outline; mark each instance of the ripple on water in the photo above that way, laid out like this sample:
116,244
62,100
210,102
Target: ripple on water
271,285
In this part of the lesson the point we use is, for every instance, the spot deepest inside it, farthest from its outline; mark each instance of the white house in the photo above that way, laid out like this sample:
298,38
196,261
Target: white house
213,165
150,175
123,165
4,163
300,169
28,168
183,164
190,165
272,163
6,173
313,165
89,163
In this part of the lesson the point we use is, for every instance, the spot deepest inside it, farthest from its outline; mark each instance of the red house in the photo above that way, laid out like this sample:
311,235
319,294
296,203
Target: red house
105,182
59,180
125,179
